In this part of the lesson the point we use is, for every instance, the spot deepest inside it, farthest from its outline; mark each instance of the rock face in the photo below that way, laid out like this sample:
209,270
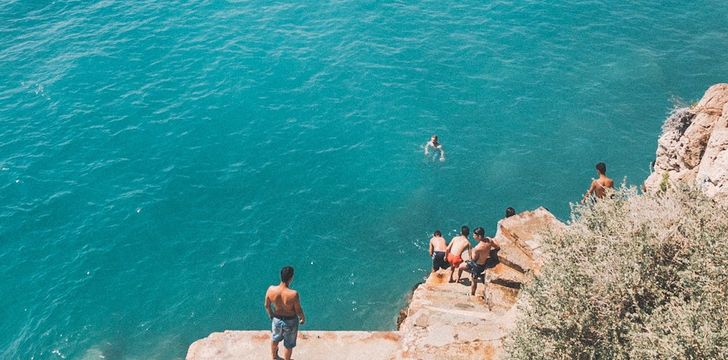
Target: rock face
693,146
442,321
445,322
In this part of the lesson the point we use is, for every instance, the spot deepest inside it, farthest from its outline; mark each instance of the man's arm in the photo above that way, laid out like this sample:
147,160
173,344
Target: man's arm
494,244
442,153
470,253
299,309
432,248
590,191
427,146
449,247
267,305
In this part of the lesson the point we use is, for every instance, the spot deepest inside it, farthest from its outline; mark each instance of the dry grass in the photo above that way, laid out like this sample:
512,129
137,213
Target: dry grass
634,277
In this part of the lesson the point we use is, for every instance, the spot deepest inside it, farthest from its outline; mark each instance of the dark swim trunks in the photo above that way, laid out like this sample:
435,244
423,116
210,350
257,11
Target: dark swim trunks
438,261
475,269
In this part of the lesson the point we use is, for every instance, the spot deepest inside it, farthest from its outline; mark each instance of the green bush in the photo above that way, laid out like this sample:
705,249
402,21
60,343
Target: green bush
633,277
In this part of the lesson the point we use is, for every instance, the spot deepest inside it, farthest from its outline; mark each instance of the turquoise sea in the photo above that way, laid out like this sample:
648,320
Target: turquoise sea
161,160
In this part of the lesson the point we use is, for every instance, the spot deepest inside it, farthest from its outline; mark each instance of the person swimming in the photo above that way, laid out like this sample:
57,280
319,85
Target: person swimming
434,143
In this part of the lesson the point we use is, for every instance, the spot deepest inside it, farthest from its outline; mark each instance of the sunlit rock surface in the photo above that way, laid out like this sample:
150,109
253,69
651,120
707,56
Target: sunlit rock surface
693,146
442,320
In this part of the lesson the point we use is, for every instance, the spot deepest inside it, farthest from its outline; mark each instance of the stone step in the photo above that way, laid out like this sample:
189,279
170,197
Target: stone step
255,345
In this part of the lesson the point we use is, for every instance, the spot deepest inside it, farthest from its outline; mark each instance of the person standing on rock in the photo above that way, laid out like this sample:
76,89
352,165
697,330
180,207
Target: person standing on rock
600,185
481,252
284,309
438,249
455,251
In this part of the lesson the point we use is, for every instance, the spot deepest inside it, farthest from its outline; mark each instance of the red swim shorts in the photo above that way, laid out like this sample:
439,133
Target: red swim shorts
453,259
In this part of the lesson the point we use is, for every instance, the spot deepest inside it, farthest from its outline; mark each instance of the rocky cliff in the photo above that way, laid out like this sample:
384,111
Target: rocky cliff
442,320
693,146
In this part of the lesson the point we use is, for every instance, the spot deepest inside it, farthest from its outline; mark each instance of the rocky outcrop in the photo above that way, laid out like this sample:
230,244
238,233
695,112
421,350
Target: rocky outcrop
693,146
445,322
240,345
442,320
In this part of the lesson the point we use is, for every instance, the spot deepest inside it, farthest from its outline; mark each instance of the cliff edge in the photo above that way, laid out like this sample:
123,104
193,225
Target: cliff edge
442,320
693,146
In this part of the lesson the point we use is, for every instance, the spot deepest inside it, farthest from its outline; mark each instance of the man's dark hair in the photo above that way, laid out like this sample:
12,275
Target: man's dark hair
286,274
510,212
465,230
437,233
479,231
602,168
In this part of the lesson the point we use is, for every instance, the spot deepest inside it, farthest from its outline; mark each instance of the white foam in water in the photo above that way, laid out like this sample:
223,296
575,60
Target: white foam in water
93,353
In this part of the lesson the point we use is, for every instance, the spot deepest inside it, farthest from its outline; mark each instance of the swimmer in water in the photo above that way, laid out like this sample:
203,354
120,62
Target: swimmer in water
434,143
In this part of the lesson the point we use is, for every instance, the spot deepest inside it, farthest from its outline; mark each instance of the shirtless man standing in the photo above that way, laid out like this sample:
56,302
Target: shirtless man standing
455,250
438,249
599,186
286,313
434,143
481,253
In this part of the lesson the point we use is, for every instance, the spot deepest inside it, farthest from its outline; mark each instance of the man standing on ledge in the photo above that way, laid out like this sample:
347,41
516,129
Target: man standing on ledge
286,313
481,253
455,250
599,186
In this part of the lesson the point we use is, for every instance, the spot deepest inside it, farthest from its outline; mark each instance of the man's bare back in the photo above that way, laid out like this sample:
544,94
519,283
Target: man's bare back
481,252
437,243
458,245
601,185
284,301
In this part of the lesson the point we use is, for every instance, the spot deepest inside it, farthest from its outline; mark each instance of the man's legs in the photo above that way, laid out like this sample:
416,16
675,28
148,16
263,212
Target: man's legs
290,334
274,349
463,266
287,353
473,283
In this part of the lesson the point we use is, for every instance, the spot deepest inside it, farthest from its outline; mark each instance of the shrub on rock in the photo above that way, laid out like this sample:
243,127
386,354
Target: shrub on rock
633,277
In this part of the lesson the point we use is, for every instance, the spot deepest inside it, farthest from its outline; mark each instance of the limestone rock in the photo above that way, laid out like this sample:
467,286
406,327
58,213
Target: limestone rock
713,171
520,238
442,320
693,146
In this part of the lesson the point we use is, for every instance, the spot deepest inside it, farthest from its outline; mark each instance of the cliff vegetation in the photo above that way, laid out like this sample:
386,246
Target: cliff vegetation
633,277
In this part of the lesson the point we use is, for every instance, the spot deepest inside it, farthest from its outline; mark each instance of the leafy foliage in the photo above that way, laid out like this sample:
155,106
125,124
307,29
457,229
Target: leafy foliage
633,277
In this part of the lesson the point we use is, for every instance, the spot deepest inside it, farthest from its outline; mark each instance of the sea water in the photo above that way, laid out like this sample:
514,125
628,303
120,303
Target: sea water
160,161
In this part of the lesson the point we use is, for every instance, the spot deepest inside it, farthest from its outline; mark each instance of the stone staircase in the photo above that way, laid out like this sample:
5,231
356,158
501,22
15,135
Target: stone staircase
442,320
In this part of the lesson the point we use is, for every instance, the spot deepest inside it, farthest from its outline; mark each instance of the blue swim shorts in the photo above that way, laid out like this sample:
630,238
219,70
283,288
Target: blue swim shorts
286,330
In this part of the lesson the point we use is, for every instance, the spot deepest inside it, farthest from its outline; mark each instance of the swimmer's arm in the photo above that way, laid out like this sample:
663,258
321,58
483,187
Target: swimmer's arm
442,153
267,306
427,147
299,310
432,248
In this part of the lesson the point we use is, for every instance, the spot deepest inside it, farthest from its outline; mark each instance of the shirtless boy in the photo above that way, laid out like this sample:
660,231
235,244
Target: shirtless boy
481,252
455,251
600,185
284,309
438,249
